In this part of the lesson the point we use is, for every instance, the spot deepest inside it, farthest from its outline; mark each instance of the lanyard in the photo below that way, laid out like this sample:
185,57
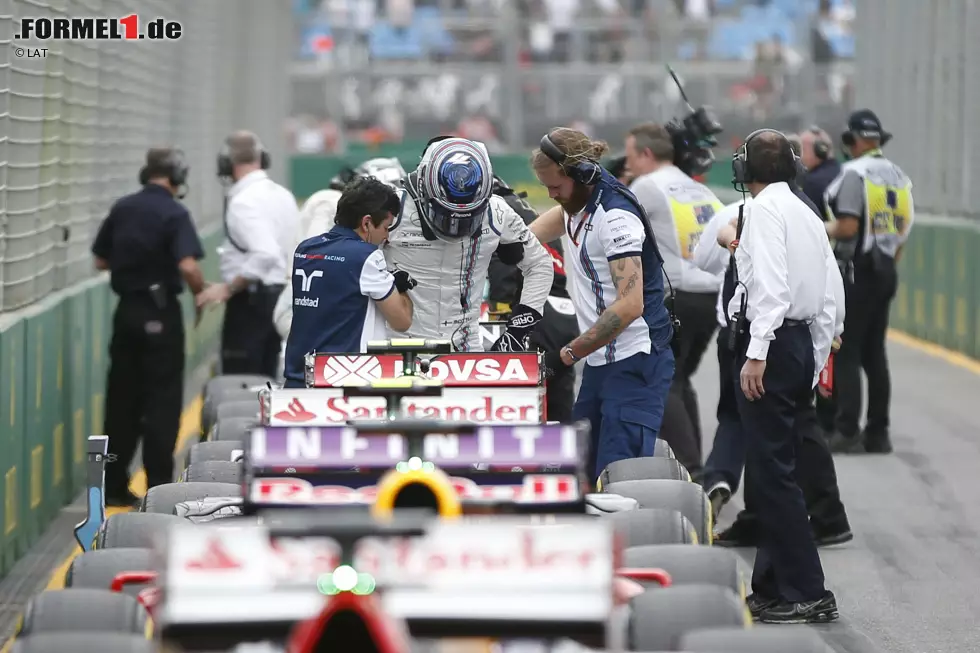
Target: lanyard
587,218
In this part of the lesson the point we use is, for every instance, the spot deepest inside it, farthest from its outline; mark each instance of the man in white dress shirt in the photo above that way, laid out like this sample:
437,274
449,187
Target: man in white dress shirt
782,330
261,218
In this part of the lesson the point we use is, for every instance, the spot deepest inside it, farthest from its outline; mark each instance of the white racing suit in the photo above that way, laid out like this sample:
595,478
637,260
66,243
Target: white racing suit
451,276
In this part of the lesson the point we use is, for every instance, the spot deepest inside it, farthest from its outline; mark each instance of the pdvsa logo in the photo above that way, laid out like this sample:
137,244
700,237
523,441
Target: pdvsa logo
126,28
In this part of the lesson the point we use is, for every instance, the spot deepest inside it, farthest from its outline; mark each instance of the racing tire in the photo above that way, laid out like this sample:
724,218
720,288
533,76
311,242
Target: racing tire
689,499
84,642
213,471
95,569
209,410
661,449
755,640
232,429
88,610
224,450
653,526
238,408
225,382
162,498
691,565
660,618
134,530
643,469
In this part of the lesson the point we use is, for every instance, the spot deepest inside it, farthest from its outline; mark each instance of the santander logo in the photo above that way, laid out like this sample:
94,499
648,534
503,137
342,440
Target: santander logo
295,412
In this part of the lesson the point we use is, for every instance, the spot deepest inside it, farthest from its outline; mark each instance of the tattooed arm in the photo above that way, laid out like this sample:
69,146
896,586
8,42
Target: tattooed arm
627,276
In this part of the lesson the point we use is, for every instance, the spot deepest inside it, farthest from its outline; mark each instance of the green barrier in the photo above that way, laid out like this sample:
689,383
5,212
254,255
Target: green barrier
43,485
54,357
13,394
98,346
78,379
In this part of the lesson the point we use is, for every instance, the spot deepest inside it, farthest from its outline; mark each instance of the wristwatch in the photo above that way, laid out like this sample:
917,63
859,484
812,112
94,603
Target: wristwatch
571,354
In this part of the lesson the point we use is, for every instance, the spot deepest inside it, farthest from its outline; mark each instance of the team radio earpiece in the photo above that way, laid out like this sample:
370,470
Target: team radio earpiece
226,166
174,167
584,172
742,168
821,148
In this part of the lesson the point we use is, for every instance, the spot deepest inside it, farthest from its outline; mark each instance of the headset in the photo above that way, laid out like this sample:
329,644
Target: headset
174,166
741,166
226,166
821,148
585,172
589,172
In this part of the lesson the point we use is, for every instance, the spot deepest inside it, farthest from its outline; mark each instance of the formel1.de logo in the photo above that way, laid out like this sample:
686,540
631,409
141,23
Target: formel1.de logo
125,28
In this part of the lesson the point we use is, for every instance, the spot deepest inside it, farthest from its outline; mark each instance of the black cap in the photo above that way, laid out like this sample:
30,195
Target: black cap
864,123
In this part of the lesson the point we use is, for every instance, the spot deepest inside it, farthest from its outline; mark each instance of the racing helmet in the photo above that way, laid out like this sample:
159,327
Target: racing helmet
454,183
385,170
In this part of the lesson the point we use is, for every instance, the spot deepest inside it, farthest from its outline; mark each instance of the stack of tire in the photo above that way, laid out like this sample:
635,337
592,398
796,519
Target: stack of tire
666,521
86,617
667,526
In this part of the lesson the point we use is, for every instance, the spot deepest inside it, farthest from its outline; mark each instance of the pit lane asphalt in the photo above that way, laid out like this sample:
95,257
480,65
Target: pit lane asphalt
909,582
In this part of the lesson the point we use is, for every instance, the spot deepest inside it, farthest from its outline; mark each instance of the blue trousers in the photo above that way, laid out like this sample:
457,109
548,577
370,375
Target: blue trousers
624,403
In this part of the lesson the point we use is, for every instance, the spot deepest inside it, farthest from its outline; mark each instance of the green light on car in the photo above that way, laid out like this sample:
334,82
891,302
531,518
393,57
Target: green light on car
345,579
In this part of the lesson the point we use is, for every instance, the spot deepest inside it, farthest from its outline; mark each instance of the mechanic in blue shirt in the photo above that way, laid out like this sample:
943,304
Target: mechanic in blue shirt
617,283
342,289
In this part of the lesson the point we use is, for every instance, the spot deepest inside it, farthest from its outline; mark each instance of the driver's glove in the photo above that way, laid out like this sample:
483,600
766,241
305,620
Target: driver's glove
521,324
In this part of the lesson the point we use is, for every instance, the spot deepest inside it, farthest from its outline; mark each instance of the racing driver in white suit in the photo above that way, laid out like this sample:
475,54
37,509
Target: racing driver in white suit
450,225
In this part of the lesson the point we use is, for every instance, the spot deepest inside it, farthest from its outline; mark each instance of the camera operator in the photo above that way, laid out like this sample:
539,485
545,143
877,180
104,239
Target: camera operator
678,208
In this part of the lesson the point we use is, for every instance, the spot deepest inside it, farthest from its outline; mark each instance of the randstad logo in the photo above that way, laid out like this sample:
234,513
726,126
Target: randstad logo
307,302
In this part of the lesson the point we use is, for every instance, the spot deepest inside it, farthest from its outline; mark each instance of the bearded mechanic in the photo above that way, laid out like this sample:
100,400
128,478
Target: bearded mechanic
617,283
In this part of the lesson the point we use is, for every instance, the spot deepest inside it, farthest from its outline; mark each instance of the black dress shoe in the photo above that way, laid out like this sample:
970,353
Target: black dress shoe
739,534
122,500
877,443
821,611
832,537
839,443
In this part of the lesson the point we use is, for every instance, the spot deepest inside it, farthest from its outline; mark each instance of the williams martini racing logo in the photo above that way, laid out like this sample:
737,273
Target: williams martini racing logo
125,28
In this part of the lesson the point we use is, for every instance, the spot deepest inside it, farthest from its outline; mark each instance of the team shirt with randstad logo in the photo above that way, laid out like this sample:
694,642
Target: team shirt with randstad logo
609,228
337,278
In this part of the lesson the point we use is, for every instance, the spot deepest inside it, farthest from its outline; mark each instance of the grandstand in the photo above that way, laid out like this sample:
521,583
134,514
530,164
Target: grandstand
390,71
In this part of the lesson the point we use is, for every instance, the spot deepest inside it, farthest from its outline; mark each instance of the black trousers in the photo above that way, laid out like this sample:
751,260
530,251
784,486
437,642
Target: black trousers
250,343
727,456
145,390
863,347
787,566
682,422
554,332
815,470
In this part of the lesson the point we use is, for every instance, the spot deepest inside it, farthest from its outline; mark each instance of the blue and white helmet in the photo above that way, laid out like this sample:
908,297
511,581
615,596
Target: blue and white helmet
455,183
385,170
